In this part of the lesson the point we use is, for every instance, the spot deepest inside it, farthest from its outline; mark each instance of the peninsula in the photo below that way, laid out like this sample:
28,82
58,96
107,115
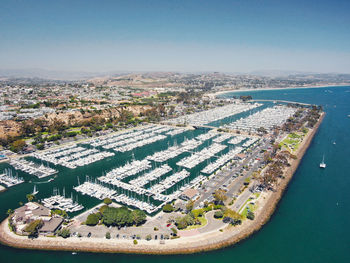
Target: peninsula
228,181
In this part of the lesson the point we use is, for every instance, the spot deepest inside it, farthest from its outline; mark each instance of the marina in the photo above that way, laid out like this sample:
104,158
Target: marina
61,202
8,179
222,160
72,156
205,117
198,157
32,168
267,119
129,169
169,182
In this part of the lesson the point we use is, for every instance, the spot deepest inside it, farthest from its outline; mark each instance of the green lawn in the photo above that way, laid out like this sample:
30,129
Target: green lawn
292,142
250,207
203,221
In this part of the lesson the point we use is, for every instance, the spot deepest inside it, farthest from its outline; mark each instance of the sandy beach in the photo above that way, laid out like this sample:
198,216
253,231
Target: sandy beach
215,239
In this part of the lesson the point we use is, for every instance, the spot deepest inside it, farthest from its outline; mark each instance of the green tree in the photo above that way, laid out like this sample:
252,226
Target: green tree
107,201
189,205
33,227
18,146
168,208
250,215
92,220
218,214
30,197
174,231
220,196
108,235
138,216
9,212
64,232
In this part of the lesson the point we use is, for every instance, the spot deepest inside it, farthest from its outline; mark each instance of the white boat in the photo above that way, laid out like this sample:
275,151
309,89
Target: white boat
35,191
323,164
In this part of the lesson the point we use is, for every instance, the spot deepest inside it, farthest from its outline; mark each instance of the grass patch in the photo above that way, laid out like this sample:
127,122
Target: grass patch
292,142
201,219
248,207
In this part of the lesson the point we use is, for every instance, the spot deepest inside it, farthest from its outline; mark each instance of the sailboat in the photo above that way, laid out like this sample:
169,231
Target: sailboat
323,164
35,191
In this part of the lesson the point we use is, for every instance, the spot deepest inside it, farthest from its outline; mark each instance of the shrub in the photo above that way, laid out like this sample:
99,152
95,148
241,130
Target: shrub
108,235
148,237
250,215
218,214
107,201
174,230
168,208
135,242
197,212
64,232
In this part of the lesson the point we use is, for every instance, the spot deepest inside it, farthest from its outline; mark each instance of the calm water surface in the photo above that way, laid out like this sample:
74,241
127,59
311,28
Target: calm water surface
311,223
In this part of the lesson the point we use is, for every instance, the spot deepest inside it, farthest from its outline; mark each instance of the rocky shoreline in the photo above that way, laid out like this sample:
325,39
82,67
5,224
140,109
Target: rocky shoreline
185,245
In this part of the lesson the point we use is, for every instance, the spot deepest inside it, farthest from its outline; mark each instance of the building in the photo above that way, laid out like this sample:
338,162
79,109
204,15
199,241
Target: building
31,211
189,194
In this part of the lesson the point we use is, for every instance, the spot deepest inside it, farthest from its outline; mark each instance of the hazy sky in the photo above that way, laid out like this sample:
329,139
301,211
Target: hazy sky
164,35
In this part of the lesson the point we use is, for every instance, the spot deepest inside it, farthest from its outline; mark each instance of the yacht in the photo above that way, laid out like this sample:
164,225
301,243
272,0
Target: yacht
323,164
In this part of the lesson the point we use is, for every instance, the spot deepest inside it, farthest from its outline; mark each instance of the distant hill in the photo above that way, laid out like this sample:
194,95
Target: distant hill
47,74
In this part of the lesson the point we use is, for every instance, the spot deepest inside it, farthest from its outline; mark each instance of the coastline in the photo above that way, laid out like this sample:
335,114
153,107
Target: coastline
264,89
204,242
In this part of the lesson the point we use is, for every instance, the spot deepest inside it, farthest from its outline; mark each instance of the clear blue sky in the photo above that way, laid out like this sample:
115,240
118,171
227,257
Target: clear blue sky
165,35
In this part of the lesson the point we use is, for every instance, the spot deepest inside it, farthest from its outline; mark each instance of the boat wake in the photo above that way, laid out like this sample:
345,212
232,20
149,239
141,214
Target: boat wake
45,182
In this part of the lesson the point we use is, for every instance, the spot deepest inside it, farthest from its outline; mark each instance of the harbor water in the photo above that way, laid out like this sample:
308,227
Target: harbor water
311,223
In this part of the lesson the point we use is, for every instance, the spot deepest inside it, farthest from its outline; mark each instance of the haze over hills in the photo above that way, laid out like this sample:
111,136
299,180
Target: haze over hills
102,76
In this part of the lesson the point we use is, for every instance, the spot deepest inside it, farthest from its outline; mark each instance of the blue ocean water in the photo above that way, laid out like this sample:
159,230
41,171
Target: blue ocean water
311,223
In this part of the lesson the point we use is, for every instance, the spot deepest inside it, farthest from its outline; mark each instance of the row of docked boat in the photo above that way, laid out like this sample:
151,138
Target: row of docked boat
137,136
267,119
95,190
173,151
237,140
222,160
129,169
169,182
206,136
81,158
199,157
9,179
204,117
100,192
130,201
32,168
176,131
222,137
126,188
115,140
250,142
111,139
77,155
64,151
122,185
151,176
139,143
61,202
